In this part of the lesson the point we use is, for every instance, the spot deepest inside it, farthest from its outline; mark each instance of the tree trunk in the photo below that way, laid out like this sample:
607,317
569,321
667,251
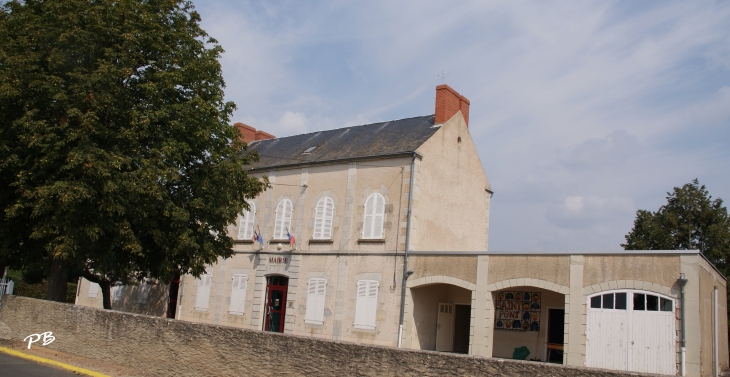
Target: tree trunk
58,280
106,294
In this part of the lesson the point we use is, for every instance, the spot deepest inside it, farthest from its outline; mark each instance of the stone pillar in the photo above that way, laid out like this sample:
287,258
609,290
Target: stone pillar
575,316
689,265
482,316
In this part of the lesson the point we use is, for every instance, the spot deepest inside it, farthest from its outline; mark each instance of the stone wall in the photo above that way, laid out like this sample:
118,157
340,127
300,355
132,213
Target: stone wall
163,347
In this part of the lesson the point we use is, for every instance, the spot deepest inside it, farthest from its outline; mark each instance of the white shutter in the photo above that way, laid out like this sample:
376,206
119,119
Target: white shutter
316,293
116,293
93,290
378,216
323,214
366,306
144,292
283,219
246,223
203,294
374,217
238,294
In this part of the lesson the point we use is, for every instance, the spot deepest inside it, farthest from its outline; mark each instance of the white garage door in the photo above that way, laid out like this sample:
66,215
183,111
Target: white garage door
631,330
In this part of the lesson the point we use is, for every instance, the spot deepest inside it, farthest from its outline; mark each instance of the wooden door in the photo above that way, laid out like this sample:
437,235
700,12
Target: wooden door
276,289
445,328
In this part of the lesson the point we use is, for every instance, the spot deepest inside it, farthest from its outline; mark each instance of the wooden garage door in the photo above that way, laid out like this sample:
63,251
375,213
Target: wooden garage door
631,330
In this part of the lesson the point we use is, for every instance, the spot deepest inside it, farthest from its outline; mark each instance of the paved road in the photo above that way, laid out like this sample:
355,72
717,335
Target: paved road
11,366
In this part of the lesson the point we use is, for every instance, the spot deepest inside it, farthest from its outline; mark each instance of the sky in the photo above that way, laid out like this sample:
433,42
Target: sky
582,112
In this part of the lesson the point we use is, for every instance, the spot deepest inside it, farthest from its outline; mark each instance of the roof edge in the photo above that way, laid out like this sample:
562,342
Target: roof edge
338,160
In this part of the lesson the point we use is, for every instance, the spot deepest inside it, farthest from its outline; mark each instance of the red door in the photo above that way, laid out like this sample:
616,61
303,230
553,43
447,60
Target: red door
275,303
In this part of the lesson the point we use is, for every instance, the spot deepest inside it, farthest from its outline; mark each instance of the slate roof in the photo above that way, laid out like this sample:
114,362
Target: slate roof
370,140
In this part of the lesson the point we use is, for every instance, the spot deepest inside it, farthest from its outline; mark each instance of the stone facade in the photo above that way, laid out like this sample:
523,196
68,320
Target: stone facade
162,347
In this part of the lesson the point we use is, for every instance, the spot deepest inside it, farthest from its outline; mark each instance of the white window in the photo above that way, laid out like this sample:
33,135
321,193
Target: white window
374,215
283,219
315,301
367,304
116,292
143,292
323,214
246,222
93,290
238,294
201,298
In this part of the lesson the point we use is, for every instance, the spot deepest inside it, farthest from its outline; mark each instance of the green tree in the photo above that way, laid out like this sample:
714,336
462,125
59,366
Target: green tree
116,153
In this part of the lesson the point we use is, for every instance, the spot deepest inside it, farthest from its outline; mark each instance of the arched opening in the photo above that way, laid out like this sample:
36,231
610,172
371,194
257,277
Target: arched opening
529,324
442,318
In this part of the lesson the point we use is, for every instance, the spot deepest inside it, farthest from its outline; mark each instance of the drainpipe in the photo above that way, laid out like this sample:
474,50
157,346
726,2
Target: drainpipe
406,273
682,282
716,365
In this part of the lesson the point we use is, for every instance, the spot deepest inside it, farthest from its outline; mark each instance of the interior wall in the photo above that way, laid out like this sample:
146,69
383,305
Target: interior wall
425,311
505,341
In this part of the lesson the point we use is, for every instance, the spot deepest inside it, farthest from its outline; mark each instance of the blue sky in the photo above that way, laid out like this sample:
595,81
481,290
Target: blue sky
582,112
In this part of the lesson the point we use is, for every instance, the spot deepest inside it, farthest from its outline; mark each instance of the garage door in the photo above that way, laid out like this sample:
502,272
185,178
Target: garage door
631,330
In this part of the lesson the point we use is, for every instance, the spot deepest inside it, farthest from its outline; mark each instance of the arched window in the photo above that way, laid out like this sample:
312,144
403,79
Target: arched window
246,222
323,214
372,227
283,219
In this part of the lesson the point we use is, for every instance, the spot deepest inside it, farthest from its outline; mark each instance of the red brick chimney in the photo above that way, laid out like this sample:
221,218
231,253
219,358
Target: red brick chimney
249,134
448,103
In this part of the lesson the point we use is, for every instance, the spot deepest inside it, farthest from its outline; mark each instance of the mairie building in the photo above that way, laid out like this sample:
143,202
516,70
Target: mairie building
378,234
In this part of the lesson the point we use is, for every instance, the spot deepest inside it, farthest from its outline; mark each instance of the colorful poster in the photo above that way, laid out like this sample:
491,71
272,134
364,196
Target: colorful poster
517,311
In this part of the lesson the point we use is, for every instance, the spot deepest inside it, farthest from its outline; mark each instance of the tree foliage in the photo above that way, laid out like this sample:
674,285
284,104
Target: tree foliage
116,153
690,219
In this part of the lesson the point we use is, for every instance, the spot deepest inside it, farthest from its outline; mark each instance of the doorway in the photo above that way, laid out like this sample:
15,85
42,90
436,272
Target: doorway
172,297
276,287
555,335
462,326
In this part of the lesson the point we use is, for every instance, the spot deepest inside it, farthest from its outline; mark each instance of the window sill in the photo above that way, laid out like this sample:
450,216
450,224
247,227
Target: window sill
328,240
313,324
365,329
371,240
236,313
243,241
202,310
274,240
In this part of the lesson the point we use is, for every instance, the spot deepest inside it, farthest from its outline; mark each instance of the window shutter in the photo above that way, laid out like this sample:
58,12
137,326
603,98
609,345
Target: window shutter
246,223
329,214
323,214
116,293
238,294
283,219
93,290
316,293
203,294
366,306
374,217
143,292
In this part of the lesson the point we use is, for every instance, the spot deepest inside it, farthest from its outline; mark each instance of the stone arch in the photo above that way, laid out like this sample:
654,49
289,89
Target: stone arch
528,282
439,279
631,284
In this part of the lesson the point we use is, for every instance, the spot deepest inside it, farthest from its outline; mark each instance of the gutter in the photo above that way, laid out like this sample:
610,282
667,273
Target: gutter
332,161
406,249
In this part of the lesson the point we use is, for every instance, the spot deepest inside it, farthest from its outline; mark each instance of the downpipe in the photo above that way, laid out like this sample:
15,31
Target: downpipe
406,273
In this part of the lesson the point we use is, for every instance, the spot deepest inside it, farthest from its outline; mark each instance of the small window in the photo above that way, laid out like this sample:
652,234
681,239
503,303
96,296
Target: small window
666,305
246,222
639,301
283,219
372,227
652,303
596,302
608,301
323,214
93,290
203,295
238,294
366,306
309,150
621,301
